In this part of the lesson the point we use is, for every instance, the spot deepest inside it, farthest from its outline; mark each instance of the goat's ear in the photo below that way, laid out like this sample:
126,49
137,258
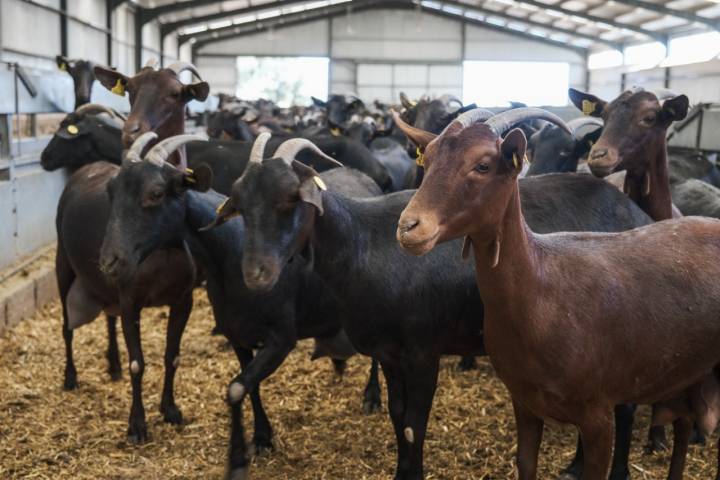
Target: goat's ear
318,102
512,150
311,185
200,178
62,62
406,102
675,109
111,79
466,108
357,103
583,146
196,91
588,104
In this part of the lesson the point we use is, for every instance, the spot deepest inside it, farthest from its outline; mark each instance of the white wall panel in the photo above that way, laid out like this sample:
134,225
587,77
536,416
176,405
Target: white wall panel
396,35
86,43
30,29
123,48
308,39
219,72
92,11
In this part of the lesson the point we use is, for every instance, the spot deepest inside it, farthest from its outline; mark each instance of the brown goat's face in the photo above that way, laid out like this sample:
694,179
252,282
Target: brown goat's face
469,177
157,100
635,127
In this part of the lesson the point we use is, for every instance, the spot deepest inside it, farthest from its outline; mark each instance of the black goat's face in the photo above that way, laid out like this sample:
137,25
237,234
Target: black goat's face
340,109
551,150
147,212
429,115
278,204
83,139
83,77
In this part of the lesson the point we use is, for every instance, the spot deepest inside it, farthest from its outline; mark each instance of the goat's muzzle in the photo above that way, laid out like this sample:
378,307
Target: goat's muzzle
260,274
417,233
602,160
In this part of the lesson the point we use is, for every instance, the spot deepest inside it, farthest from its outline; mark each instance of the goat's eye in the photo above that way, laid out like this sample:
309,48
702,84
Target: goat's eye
481,168
648,120
155,196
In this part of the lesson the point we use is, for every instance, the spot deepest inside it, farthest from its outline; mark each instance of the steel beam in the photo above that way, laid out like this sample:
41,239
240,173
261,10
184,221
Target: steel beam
713,23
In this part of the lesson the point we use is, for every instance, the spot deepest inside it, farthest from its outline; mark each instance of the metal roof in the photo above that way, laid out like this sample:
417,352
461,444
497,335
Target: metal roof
578,24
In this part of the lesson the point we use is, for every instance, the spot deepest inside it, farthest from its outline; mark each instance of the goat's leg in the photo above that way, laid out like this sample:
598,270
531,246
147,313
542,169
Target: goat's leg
697,437
179,314
396,407
237,454
717,475
467,363
596,432
657,440
113,353
682,429
262,436
574,470
65,277
420,385
529,436
624,419
137,428
371,396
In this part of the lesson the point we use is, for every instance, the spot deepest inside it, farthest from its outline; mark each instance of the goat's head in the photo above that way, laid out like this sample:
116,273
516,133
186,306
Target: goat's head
635,127
157,98
470,173
82,74
89,134
552,149
278,198
340,109
147,209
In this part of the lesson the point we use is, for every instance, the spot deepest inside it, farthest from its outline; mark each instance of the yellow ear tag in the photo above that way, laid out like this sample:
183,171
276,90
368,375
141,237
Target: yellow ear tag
588,107
319,182
420,160
63,67
515,160
335,132
72,130
189,176
119,88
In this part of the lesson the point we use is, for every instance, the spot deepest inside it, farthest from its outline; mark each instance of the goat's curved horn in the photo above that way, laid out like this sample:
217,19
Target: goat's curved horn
179,67
504,121
258,149
151,63
418,136
471,117
290,148
135,150
577,124
94,108
159,154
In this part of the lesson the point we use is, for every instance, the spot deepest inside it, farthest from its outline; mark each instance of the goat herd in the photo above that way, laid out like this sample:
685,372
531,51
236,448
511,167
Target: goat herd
289,244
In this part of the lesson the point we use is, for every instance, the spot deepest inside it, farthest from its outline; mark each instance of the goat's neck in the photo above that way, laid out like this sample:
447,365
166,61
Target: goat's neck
502,284
336,236
658,202
217,248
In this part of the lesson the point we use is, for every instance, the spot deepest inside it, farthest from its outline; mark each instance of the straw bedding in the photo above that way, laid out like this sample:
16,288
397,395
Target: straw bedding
320,432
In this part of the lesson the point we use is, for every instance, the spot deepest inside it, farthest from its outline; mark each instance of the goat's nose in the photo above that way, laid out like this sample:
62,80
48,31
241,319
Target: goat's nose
408,224
598,153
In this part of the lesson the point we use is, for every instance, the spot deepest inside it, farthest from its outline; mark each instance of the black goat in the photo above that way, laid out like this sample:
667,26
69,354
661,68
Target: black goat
155,205
553,150
405,312
82,74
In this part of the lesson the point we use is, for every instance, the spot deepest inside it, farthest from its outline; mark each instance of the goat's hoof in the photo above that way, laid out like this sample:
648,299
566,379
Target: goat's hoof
263,444
172,414
656,446
467,363
567,475
241,473
115,375
137,434
70,383
371,405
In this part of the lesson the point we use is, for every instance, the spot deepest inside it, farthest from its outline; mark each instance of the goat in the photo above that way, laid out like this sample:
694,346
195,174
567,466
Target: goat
165,278
154,204
404,313
552,150
563,359
82,74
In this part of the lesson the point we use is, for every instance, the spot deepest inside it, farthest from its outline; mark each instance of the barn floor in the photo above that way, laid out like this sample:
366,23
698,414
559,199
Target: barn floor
46,432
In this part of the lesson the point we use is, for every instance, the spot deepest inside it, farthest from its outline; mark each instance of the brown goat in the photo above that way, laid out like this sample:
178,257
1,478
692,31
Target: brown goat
157,101
633,139
575,323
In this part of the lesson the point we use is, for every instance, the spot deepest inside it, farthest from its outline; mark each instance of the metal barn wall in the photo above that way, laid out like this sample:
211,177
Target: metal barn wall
699,81
379,53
